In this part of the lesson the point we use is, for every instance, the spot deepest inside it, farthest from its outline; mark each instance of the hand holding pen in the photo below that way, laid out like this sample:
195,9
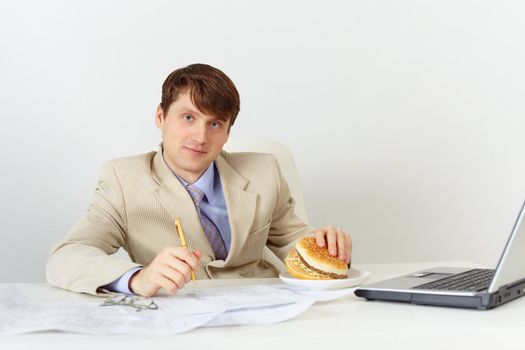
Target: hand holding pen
171,269
182,237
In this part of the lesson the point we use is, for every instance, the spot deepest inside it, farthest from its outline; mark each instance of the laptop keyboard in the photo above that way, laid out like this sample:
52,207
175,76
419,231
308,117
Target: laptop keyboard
471,281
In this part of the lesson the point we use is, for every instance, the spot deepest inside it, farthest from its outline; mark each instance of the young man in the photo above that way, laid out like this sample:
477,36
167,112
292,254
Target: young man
231,205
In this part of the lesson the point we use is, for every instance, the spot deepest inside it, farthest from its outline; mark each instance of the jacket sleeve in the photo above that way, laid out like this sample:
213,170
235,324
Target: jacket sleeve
82,262
286,227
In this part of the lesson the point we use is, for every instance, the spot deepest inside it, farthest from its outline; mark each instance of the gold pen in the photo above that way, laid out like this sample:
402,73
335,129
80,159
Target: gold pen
182,238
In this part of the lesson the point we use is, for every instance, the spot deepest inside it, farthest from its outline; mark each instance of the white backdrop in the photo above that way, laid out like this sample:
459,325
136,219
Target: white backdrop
406,117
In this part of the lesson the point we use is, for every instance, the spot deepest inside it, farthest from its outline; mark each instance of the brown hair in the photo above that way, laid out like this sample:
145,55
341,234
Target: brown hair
210,89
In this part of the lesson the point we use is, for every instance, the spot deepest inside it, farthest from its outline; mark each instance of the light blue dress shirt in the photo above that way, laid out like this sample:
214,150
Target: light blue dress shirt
213,205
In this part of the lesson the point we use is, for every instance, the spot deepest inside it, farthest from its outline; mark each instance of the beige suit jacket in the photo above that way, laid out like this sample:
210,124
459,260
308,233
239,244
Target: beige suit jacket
135,205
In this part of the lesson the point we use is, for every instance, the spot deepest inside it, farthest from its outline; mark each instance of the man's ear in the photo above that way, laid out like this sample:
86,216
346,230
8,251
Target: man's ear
159,117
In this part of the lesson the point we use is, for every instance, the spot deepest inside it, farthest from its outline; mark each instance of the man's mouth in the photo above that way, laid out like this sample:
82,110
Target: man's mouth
195,150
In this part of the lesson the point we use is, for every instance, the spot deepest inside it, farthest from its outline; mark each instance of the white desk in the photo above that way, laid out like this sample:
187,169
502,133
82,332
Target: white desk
348,323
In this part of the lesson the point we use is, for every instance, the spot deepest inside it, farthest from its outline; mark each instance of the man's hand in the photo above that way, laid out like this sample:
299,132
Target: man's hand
171,270
339,242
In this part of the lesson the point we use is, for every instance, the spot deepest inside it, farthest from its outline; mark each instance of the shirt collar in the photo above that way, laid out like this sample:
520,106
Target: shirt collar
205,183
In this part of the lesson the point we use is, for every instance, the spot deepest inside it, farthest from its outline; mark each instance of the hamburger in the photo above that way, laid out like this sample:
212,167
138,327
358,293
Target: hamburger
308,261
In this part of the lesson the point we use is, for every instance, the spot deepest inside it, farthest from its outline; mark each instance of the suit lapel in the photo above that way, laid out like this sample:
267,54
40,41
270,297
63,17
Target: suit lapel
241,206
178,203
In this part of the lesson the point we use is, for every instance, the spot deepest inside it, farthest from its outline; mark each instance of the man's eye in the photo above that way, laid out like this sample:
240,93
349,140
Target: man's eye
187,117
215,125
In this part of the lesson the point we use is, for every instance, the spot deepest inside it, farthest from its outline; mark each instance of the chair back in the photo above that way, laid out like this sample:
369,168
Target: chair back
286,163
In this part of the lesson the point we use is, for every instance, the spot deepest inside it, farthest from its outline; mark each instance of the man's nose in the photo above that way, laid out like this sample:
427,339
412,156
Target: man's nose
200,133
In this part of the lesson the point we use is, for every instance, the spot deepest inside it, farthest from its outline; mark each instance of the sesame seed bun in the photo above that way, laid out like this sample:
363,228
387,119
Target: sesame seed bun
309,261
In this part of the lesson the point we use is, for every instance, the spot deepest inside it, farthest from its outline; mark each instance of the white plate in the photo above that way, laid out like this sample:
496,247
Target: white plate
355,277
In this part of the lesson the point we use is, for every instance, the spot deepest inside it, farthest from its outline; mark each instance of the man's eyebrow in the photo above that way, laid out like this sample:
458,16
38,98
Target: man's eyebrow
190,111
199,113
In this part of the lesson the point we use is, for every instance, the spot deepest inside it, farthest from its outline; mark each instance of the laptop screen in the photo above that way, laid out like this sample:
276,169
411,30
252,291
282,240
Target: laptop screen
511,266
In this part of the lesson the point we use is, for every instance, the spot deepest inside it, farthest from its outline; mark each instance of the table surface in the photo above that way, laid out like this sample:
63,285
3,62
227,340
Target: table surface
349,322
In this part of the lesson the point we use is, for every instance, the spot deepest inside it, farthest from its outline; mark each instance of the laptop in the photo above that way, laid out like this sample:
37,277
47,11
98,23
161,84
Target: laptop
461,287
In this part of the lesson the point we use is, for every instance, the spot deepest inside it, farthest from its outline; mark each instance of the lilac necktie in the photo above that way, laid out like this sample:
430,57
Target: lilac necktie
210,230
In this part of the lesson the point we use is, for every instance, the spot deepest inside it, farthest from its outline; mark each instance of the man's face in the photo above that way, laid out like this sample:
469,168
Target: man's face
191,138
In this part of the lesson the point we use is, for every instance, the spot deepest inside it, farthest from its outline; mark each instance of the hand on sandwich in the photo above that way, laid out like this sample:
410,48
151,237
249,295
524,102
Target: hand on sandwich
326,255
339,243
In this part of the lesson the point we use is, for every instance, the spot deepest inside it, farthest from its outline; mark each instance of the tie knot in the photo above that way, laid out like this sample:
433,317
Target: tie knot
195,193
